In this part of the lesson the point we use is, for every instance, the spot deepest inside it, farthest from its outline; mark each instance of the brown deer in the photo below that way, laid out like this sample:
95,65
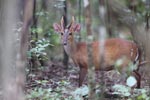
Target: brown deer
114,49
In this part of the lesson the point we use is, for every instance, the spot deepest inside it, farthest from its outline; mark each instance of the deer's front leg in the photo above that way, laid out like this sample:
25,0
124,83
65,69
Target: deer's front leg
82,74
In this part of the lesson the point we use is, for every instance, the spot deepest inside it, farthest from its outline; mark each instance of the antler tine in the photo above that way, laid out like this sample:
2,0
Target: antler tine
72,19
62,22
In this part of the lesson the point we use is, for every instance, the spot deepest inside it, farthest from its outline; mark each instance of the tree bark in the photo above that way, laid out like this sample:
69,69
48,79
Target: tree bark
91,68
66,58
103,30
11,65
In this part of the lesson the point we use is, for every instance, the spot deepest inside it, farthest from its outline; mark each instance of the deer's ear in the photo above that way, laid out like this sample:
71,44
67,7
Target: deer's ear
57,27
76,28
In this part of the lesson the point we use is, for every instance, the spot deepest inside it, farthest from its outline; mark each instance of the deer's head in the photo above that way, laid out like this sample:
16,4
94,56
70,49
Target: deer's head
66,31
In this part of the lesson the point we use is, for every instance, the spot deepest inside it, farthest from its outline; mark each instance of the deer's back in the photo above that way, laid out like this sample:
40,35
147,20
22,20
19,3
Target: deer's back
114,49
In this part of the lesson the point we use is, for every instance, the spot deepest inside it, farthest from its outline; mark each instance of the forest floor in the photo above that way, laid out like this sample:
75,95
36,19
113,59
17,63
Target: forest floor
57,79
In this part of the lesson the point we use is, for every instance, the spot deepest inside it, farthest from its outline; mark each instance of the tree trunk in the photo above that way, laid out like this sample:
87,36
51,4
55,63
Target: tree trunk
66,58
91,68
103,30
11,63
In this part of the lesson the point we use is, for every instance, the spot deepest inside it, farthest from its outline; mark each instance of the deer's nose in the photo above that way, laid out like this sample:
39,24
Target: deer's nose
65,43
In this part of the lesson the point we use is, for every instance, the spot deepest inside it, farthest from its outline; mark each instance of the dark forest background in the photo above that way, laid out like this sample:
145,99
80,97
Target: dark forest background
34,65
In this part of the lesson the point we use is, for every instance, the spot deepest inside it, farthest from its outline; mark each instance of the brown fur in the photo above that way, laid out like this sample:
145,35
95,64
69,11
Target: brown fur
114,49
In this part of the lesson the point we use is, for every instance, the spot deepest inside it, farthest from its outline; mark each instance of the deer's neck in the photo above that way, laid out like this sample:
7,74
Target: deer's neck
70,48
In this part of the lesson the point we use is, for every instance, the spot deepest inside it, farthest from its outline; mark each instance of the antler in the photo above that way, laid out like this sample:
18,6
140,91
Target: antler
72,19
62,23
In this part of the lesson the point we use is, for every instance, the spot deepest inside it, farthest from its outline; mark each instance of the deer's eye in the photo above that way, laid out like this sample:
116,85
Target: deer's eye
61,33
70,33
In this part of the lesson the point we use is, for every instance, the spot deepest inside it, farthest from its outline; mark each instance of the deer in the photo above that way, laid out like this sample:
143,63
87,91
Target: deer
114,49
